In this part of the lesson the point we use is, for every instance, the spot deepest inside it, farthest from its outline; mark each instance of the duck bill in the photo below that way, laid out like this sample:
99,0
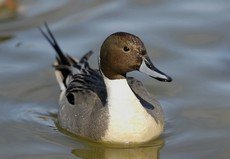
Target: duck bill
148,68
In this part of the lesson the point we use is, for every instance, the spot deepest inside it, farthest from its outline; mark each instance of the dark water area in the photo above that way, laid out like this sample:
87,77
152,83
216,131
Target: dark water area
189,40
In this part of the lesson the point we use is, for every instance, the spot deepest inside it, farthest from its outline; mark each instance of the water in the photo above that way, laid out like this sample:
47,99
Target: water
189,40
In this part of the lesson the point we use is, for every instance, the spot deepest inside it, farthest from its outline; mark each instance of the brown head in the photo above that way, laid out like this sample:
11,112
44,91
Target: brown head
123,52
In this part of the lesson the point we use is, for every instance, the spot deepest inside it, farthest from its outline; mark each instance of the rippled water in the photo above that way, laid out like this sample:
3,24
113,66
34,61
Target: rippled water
187,39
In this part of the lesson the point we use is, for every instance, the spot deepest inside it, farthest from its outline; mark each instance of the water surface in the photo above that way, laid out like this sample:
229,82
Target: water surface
189,40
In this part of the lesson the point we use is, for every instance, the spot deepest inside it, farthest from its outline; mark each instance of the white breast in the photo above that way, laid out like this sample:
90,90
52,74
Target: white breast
128,120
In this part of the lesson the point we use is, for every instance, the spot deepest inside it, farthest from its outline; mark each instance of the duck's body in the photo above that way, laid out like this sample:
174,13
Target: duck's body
122,118
103,104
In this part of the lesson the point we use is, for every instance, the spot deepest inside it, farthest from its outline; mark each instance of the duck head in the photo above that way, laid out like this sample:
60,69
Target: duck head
122,53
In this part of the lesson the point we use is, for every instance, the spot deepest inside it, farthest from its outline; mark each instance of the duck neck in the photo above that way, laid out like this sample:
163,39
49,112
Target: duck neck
119,93
110,73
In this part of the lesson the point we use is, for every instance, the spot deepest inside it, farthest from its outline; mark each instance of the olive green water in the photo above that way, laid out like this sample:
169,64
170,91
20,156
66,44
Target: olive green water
189,40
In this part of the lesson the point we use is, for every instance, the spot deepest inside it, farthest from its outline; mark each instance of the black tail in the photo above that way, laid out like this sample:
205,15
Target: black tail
64,63
50,38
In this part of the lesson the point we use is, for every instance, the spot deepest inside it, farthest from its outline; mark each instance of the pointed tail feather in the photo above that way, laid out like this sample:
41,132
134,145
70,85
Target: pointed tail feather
65,65
50,38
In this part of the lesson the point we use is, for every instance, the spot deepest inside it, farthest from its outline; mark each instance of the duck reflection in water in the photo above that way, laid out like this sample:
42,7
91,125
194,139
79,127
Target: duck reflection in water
148,151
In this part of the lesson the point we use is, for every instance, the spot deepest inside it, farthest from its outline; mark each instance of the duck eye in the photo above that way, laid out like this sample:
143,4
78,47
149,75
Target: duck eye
126,49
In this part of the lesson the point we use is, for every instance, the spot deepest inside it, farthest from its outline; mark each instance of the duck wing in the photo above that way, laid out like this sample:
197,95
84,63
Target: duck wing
75,75
147,100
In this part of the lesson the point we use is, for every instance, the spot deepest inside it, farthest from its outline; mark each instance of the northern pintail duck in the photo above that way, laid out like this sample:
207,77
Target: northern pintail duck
104,104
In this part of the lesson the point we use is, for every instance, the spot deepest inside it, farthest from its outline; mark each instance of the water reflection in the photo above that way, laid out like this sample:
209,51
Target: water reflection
4,38
104,152
188,38
8,9
95,150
